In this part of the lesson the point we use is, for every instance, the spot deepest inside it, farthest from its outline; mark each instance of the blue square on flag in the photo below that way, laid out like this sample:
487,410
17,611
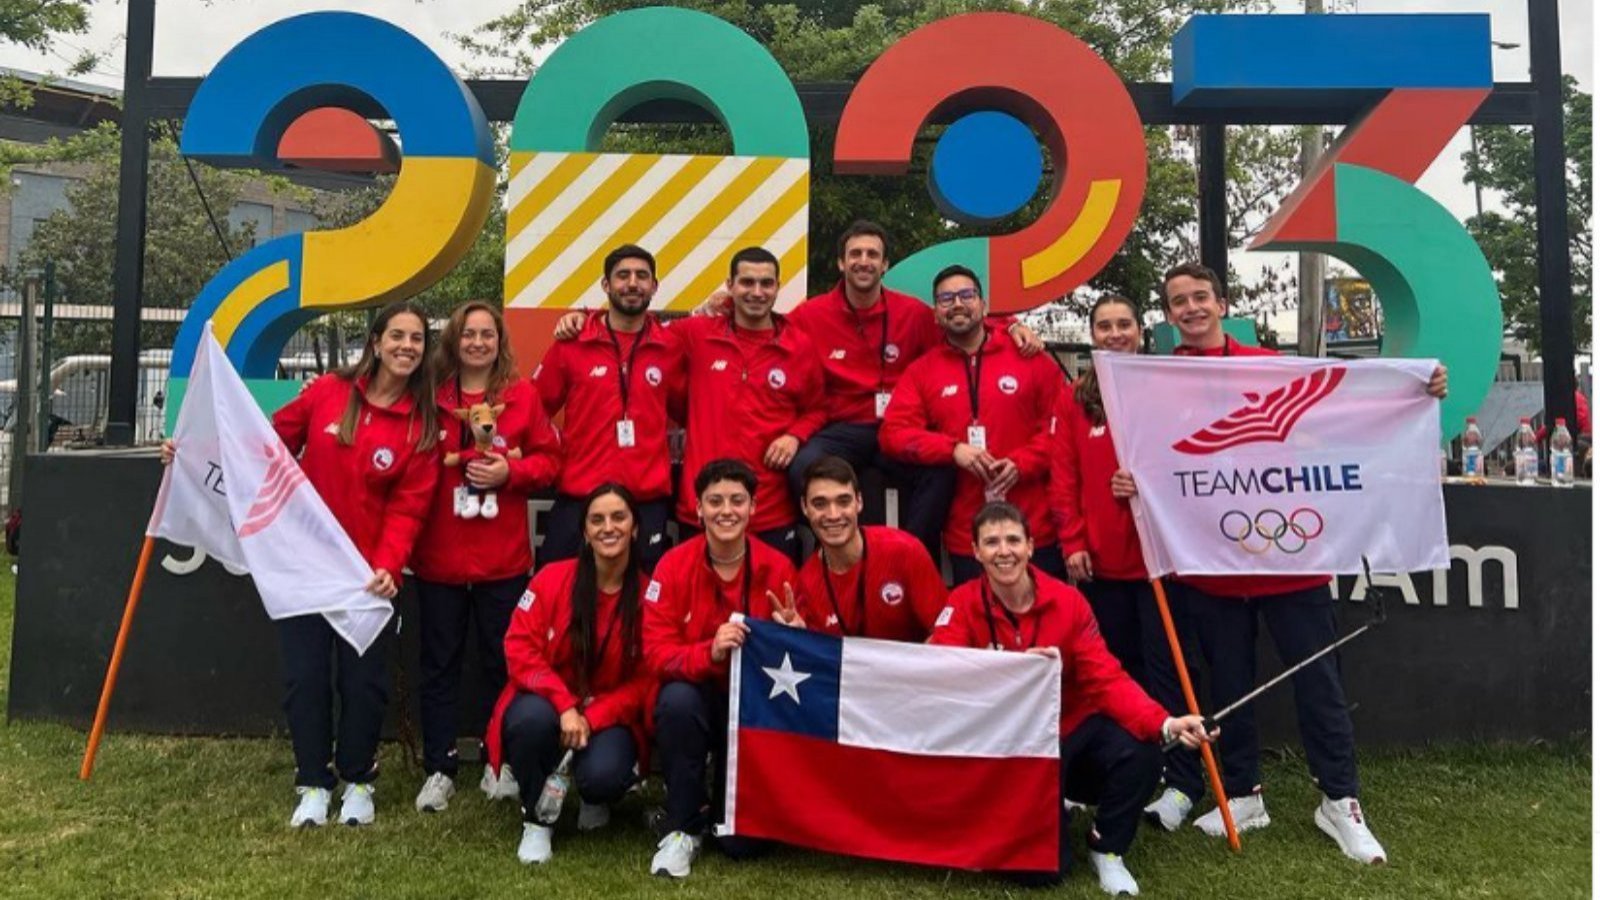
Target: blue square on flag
789,681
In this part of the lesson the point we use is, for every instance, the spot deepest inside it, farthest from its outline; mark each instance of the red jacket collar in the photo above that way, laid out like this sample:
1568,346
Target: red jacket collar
594,328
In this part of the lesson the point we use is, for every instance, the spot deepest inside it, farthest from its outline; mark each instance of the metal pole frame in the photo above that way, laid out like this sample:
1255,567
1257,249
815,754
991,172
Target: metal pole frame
1538,103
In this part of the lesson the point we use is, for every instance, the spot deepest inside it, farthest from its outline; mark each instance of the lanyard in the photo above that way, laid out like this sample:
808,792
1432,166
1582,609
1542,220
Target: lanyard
461,427
974,375
739,347
883,336
625,370
988,614
861,590
745,594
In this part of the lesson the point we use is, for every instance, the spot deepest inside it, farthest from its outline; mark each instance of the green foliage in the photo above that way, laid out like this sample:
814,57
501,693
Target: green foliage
182,251
37,25
1503,164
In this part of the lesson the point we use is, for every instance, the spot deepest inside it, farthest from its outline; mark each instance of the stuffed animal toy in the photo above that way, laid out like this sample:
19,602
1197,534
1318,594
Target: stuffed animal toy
480,420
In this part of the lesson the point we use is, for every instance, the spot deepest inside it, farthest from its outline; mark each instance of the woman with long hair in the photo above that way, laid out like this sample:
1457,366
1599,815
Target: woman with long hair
578,682
473,557
1101,546
366,437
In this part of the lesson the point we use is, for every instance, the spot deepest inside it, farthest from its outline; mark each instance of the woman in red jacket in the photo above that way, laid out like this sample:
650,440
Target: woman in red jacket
473,558
1101,546
578,681
367,441
1109,726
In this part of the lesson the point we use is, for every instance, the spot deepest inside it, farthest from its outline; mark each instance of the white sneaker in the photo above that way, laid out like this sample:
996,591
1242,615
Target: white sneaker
355,807
490,507
1249,813
1170,810
470,506
1115,878
534,848
593,816
312,809
1343,821
436,793
498,787
674,855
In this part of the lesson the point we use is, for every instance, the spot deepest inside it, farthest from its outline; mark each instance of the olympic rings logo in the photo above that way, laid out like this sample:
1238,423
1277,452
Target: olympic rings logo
1271,528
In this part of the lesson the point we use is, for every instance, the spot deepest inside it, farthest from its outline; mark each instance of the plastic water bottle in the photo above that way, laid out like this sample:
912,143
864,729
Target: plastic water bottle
1561,455
1527,454
1472,450
548,809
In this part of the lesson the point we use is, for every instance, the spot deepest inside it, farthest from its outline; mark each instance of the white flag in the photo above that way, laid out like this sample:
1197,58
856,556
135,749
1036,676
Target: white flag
1278,465
235,492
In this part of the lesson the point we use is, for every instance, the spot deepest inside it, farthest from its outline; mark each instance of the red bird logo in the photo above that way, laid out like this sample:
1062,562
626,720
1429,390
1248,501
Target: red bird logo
1268,418
282,477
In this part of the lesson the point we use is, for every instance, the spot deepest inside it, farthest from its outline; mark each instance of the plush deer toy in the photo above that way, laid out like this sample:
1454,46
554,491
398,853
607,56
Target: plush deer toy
480,419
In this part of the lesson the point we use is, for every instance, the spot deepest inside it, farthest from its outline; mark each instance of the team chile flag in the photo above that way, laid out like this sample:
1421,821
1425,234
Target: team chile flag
943,756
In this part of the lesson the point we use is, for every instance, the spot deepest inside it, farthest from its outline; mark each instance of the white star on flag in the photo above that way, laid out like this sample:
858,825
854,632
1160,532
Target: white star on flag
785,680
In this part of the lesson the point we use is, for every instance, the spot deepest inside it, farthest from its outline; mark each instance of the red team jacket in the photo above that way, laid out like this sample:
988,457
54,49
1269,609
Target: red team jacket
687,601
745,391
379,488
894,594
1245,585
1092,681
584,376
865,351
1087,516
453,550
539,660
932,409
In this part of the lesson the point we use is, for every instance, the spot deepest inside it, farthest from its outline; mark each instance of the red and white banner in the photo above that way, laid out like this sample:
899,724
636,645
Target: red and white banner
235,492
1278,465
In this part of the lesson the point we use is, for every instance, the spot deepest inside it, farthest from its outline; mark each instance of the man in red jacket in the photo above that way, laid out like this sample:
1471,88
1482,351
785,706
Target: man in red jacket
867,336
754,394
1298,611
863,581
689,637
975,404
614,382
1109,726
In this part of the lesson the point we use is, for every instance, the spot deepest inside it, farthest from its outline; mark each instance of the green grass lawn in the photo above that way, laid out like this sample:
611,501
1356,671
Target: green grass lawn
169,817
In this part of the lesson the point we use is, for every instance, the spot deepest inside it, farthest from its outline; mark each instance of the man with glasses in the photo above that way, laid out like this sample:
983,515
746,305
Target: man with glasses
976,406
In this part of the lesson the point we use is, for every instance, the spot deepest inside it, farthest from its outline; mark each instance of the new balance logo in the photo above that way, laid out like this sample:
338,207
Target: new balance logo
283,476
599,371
949,390
837,354
1268,418
719,365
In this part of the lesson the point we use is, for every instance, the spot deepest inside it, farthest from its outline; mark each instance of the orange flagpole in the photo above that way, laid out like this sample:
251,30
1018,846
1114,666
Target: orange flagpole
1206,755
104,710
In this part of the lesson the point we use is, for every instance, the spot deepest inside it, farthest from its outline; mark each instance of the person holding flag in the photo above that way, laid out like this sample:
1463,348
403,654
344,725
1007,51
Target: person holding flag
366,437
976,405
689,636
1110,728
614,378
1225,612
866,581
474,568
578,682
1101,546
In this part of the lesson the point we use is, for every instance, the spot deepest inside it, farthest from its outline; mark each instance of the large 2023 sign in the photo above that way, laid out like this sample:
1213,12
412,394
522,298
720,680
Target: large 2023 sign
1011,82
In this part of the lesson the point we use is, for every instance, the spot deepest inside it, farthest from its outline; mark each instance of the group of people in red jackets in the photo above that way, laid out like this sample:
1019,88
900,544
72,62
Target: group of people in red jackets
619,646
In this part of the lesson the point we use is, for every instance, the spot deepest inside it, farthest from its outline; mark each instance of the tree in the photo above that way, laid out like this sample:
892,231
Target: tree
37,25
827,40
182,251
1503,163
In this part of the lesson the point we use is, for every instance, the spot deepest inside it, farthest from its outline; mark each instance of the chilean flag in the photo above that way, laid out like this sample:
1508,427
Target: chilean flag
944,756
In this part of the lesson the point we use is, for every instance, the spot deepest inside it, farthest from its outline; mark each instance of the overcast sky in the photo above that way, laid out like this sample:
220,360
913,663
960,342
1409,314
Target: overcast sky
191,35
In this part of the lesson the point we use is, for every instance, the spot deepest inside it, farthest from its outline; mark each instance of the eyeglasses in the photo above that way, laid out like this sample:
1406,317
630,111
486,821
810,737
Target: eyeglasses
965,295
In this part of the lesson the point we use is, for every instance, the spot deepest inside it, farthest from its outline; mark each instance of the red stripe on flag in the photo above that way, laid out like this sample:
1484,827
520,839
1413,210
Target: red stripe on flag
955,811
